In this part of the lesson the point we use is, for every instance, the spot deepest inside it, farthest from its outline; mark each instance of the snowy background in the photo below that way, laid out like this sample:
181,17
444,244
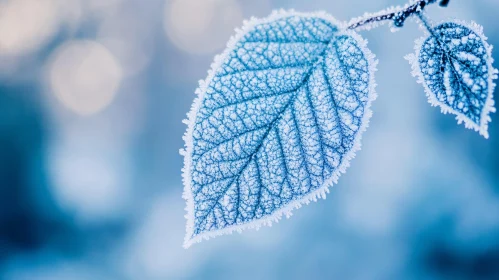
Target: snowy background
92,95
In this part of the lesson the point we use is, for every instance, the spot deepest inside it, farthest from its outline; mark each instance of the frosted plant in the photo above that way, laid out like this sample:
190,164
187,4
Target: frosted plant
455,66
283,109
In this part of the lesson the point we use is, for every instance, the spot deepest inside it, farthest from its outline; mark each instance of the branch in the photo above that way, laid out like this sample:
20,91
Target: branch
398,15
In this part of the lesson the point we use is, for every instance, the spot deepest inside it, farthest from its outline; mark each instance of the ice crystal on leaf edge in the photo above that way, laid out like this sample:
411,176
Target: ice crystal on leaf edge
318,193
488,108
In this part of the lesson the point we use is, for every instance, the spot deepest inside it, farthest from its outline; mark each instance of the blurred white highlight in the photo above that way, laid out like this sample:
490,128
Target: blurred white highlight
85,76
201,26
90,178
25,25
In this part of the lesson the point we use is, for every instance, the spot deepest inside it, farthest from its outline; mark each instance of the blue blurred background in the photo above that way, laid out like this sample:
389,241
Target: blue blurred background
92,95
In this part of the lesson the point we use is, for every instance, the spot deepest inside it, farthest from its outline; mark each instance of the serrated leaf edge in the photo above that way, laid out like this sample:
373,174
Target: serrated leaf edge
489,103
201,90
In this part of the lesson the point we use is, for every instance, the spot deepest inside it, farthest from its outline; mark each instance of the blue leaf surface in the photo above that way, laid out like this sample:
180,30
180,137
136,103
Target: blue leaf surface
277,120
455,65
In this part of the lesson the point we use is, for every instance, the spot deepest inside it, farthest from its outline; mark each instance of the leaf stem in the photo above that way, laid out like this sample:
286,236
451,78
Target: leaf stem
397,15
426,24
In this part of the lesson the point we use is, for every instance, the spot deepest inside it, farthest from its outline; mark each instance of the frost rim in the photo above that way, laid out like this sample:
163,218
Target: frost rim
248,26
444,108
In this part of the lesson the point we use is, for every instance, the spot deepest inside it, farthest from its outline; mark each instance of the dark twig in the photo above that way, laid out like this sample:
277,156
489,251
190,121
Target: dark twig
398,16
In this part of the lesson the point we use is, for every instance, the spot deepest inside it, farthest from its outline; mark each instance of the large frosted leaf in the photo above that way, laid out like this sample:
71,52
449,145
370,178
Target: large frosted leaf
455,66
277,120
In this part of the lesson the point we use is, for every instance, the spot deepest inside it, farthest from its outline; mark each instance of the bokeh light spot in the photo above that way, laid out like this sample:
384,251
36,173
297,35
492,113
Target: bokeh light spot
25,25
89,180
201,26
85,76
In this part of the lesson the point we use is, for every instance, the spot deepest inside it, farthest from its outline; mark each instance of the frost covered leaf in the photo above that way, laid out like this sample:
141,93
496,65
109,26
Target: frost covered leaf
277,120
455,66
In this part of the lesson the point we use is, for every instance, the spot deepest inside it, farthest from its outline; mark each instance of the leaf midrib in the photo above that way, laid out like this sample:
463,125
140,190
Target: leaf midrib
447,55
270,126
